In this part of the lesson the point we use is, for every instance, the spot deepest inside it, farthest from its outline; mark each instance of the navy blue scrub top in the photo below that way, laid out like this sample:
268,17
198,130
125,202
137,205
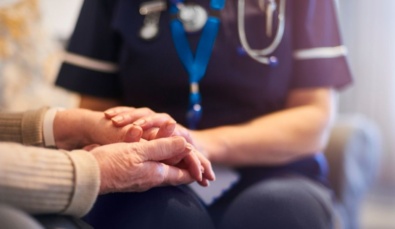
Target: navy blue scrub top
107,58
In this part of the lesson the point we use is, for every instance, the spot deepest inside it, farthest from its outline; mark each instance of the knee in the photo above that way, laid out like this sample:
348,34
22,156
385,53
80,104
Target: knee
14,218
280,203
167,207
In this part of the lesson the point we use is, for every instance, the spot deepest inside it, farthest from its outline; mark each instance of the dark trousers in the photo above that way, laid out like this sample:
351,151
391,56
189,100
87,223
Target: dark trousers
275,203
159,208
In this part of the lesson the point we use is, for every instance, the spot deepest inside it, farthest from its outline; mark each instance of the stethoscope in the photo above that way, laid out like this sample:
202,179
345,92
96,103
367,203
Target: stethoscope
263,55
191,18
194,18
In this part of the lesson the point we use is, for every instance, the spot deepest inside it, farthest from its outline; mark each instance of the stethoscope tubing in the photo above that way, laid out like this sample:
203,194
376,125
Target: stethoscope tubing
260,55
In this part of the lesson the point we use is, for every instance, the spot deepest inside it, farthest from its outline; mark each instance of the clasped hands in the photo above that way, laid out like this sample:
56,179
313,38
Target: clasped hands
136,148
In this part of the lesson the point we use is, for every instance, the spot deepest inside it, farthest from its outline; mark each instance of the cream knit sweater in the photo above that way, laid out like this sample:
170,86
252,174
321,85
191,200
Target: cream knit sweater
39,180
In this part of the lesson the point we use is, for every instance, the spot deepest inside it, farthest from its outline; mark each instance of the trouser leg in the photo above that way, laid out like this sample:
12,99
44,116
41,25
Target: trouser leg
16,219
282,203
159,208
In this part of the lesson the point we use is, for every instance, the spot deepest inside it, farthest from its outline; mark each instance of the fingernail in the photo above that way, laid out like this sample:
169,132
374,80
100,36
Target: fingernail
139,122
135,133
188,146
170,126
117,119
109,112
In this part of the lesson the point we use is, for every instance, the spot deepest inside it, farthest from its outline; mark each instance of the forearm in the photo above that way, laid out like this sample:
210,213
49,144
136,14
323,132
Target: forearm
77,128
41,180
274,139
277,138
69,129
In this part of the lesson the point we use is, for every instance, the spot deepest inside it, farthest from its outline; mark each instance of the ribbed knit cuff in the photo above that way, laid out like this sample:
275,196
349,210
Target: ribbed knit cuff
86,183
34,179
32,127
11,127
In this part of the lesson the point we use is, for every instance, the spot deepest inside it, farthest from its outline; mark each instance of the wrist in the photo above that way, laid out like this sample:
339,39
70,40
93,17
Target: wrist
48,126
212,146
103,187
69,129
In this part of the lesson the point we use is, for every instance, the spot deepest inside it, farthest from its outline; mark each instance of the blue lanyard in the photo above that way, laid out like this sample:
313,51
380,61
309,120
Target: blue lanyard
195,65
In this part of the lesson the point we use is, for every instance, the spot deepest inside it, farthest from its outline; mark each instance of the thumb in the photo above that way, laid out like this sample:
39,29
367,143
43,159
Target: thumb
163,149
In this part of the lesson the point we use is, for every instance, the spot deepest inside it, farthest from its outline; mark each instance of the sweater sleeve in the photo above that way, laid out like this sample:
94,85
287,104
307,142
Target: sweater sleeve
41,180
25,128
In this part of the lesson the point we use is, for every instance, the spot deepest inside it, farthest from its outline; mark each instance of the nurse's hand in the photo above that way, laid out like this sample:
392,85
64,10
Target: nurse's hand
76,128
137,167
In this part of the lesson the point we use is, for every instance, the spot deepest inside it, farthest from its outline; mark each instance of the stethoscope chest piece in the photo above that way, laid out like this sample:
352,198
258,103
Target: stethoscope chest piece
193,17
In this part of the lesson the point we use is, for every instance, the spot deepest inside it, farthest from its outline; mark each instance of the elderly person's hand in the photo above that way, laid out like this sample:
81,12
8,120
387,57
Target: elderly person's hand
155,125
159,125
137,167
77,128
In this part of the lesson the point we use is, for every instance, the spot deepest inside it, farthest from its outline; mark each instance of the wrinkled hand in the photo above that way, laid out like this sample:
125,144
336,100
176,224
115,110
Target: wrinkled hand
160,125
137,167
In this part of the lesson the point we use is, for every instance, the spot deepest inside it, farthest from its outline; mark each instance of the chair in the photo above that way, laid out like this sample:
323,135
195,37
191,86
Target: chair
353,155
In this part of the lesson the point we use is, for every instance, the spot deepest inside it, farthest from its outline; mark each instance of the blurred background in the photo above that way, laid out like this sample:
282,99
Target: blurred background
367,30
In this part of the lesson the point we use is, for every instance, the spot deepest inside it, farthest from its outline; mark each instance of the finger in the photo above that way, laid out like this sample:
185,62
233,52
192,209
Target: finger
208,171
176,176
133,134
160,149
150,134
204,183
134,117
152,174
166,130
153,120
175,160
182,131
192,163
116,111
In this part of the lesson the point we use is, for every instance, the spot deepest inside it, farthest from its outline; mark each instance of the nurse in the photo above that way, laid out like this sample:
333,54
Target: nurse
267,114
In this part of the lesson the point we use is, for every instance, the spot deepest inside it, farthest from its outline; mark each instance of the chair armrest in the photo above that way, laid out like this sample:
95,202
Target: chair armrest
353,154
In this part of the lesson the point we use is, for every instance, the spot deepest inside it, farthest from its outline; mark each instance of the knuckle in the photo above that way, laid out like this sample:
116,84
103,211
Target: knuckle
147,110
152,177
136,149
159,173
165,115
